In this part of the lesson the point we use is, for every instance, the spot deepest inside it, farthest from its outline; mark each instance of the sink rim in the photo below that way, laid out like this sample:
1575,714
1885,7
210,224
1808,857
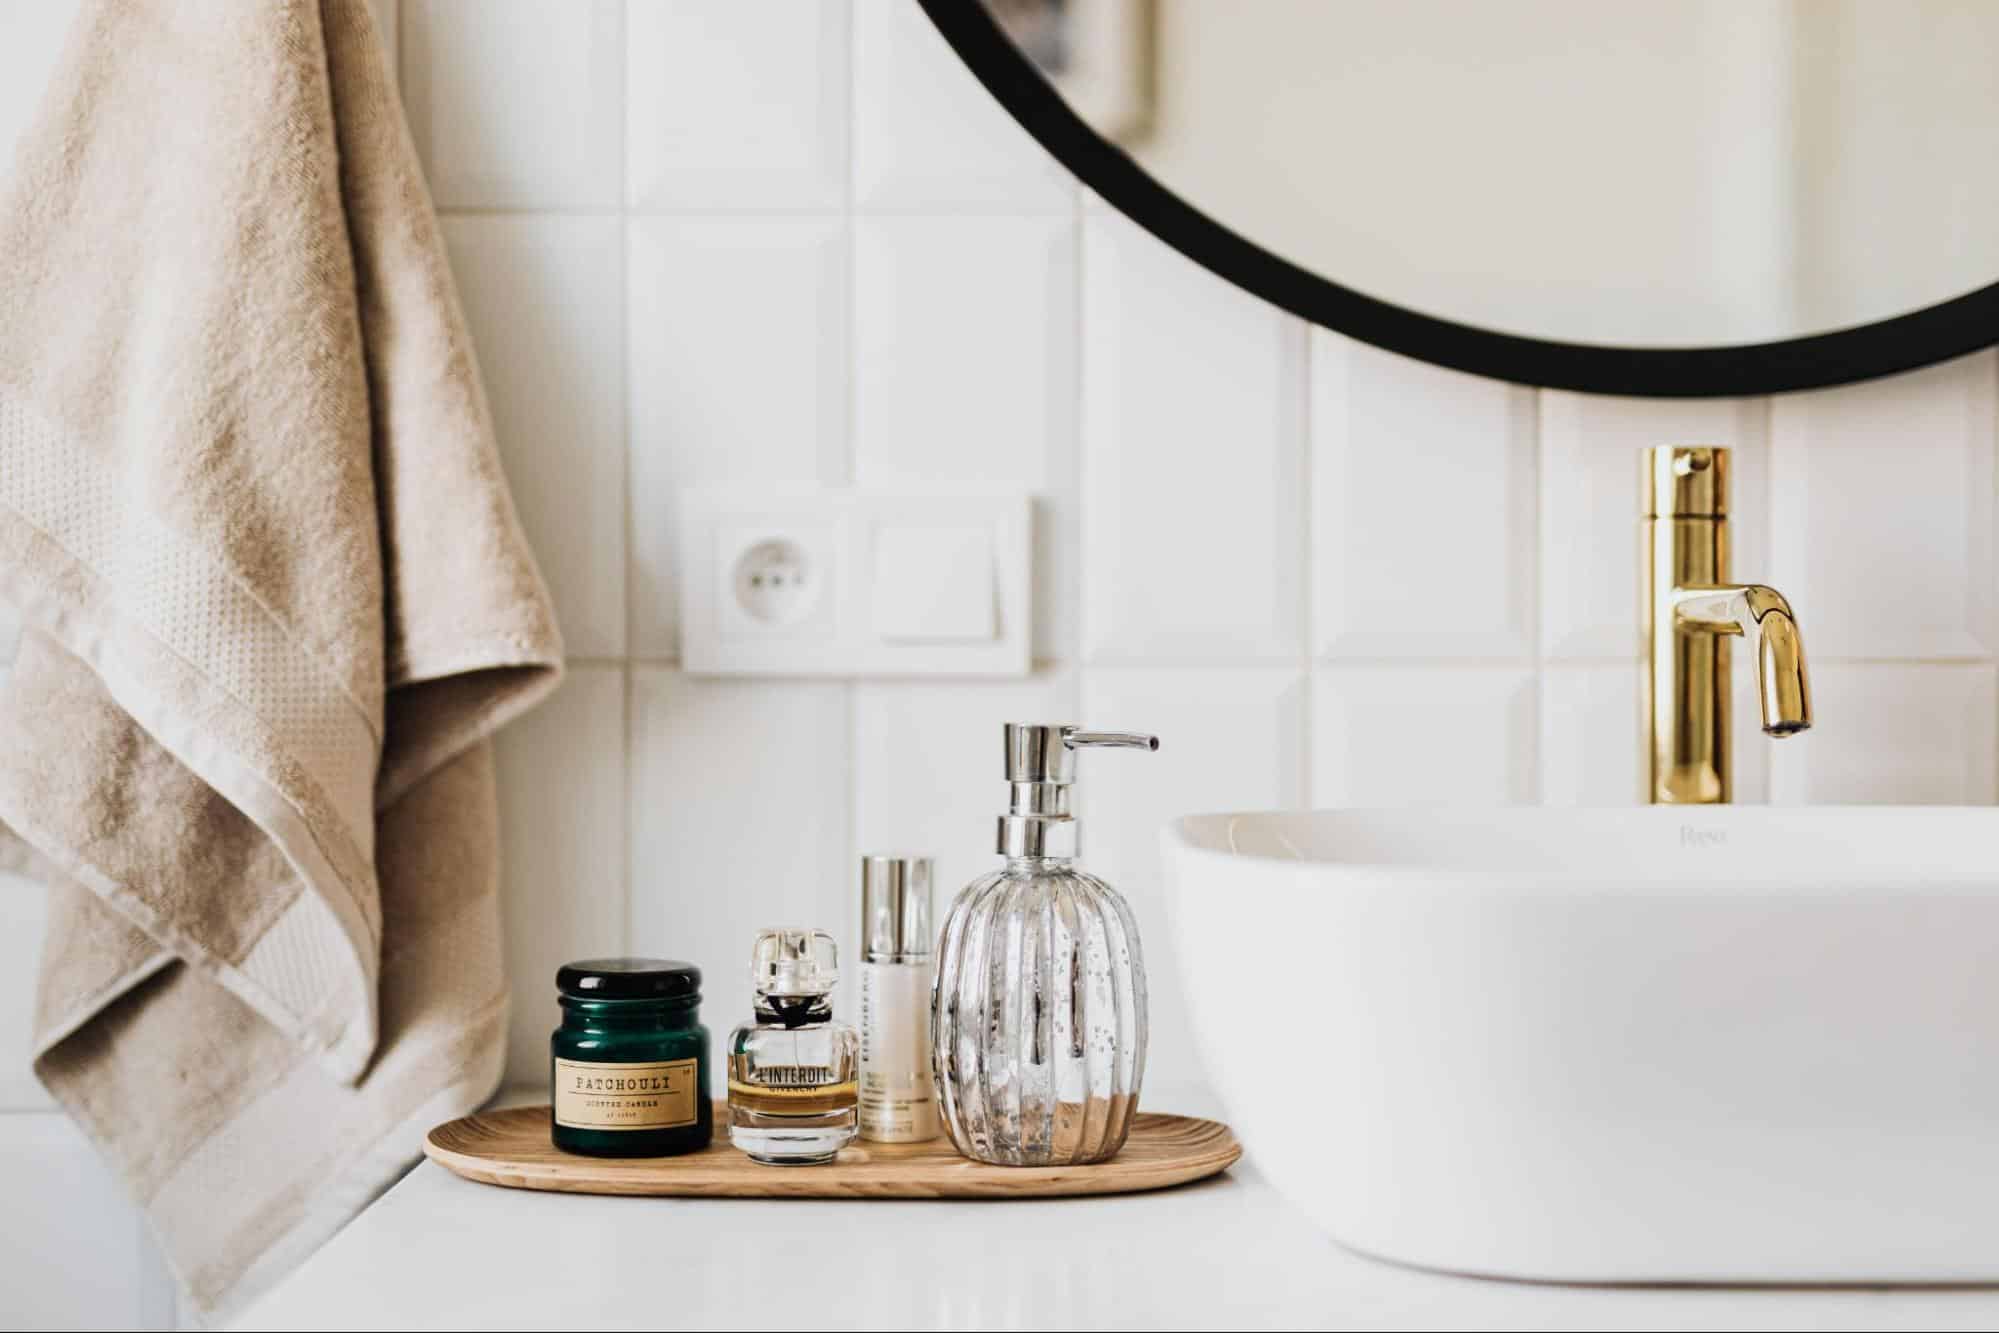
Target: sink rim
1811,845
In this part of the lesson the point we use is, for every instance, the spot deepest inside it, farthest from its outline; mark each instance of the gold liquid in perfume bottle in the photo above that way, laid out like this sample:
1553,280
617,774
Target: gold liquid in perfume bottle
800,1098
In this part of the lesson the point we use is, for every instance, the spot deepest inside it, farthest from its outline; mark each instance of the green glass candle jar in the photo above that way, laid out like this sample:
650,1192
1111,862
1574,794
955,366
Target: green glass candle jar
630,1061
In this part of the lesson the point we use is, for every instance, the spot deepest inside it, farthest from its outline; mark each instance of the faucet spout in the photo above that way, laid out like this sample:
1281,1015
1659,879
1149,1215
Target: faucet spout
1762,615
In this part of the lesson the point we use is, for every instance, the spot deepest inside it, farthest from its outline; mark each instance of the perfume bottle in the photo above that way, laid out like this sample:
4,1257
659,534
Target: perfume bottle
1038,1011
898,1094
792,1069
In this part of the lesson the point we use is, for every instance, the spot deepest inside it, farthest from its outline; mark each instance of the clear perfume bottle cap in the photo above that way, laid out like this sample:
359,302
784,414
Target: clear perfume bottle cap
788,961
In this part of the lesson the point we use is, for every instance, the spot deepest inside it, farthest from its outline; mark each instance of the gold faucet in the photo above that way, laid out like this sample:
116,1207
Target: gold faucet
1690,611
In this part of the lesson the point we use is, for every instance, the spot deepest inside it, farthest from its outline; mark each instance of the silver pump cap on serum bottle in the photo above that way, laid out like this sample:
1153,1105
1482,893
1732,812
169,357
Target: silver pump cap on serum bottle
895,909
1040,769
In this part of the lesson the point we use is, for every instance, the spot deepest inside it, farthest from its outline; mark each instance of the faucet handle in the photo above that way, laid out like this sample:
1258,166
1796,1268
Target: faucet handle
1686,481
1037,752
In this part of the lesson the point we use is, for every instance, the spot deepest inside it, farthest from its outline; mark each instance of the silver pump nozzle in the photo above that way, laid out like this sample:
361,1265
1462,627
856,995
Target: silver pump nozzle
1040,767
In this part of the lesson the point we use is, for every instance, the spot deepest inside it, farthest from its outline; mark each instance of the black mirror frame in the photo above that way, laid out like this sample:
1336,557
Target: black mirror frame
1867,351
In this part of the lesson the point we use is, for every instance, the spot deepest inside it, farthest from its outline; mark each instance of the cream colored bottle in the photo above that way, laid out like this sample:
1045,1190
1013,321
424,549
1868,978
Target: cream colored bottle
898,1093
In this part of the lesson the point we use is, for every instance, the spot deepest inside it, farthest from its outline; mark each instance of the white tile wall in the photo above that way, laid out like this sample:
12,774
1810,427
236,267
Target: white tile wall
1591,497
1423,734
1193,461
738,335
545,299
927,137
709,130
562,811
739,815
1393,579
1907,734
1591,752
517,104
942,397
707,240
1908,462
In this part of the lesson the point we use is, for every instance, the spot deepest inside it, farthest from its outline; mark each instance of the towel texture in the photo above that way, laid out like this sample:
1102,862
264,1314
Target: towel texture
251,505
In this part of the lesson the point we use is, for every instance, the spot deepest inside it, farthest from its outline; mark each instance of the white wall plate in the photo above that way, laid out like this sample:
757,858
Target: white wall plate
806,581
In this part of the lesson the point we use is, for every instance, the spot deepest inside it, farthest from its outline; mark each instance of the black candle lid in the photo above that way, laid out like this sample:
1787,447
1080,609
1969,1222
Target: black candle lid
629,979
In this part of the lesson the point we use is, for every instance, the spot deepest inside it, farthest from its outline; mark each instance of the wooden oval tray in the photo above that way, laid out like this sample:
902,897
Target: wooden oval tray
511,1148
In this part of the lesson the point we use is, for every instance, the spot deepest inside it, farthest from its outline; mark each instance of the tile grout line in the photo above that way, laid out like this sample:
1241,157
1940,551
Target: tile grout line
627,676
1766,416
850,213
1538,695
1077,665
1077,588
1358,661
850,287
1539,618
1308,703
724,212
628,779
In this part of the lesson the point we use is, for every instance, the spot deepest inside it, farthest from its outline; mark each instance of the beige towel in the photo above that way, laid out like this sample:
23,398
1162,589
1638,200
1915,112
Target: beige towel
250,502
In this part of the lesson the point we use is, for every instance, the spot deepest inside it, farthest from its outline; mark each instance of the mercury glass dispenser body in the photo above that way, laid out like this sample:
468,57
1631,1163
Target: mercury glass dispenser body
1038,1009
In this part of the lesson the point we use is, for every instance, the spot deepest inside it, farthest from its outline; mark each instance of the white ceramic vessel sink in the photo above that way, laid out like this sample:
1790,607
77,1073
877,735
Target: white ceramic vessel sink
1648,1045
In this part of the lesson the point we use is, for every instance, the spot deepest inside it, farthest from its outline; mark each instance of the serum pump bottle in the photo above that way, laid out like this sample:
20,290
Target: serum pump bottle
898,1095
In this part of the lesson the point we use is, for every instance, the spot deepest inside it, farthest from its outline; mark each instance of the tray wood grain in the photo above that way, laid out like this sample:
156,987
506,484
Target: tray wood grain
512,1148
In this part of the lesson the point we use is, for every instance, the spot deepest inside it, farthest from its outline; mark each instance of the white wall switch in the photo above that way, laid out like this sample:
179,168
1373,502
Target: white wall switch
934,583
805,581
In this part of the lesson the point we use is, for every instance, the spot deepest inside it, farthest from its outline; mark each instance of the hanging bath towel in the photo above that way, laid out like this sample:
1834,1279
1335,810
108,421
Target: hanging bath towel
251,507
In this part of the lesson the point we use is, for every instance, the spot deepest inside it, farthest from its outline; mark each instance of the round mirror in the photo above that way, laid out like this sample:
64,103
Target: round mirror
1705,197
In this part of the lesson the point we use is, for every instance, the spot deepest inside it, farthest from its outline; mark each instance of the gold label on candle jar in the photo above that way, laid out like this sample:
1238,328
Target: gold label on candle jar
634,1096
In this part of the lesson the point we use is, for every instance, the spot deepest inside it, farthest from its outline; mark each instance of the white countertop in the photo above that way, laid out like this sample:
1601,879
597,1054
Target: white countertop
440,1252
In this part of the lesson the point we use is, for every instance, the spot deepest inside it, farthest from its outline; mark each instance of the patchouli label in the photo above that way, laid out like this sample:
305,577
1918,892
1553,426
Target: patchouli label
637,1096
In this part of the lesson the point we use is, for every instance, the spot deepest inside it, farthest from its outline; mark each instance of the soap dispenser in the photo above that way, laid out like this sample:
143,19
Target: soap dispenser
1038,1007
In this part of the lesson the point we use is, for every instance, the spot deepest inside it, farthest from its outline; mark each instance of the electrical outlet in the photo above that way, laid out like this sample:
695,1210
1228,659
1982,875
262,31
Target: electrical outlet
776,579
774,582
815,582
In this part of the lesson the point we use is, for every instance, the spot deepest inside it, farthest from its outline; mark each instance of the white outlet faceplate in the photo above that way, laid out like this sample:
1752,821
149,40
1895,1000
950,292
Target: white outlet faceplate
806,581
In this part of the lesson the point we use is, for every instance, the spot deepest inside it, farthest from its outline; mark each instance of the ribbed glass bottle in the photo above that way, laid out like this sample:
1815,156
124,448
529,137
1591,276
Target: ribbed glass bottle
1038,1016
